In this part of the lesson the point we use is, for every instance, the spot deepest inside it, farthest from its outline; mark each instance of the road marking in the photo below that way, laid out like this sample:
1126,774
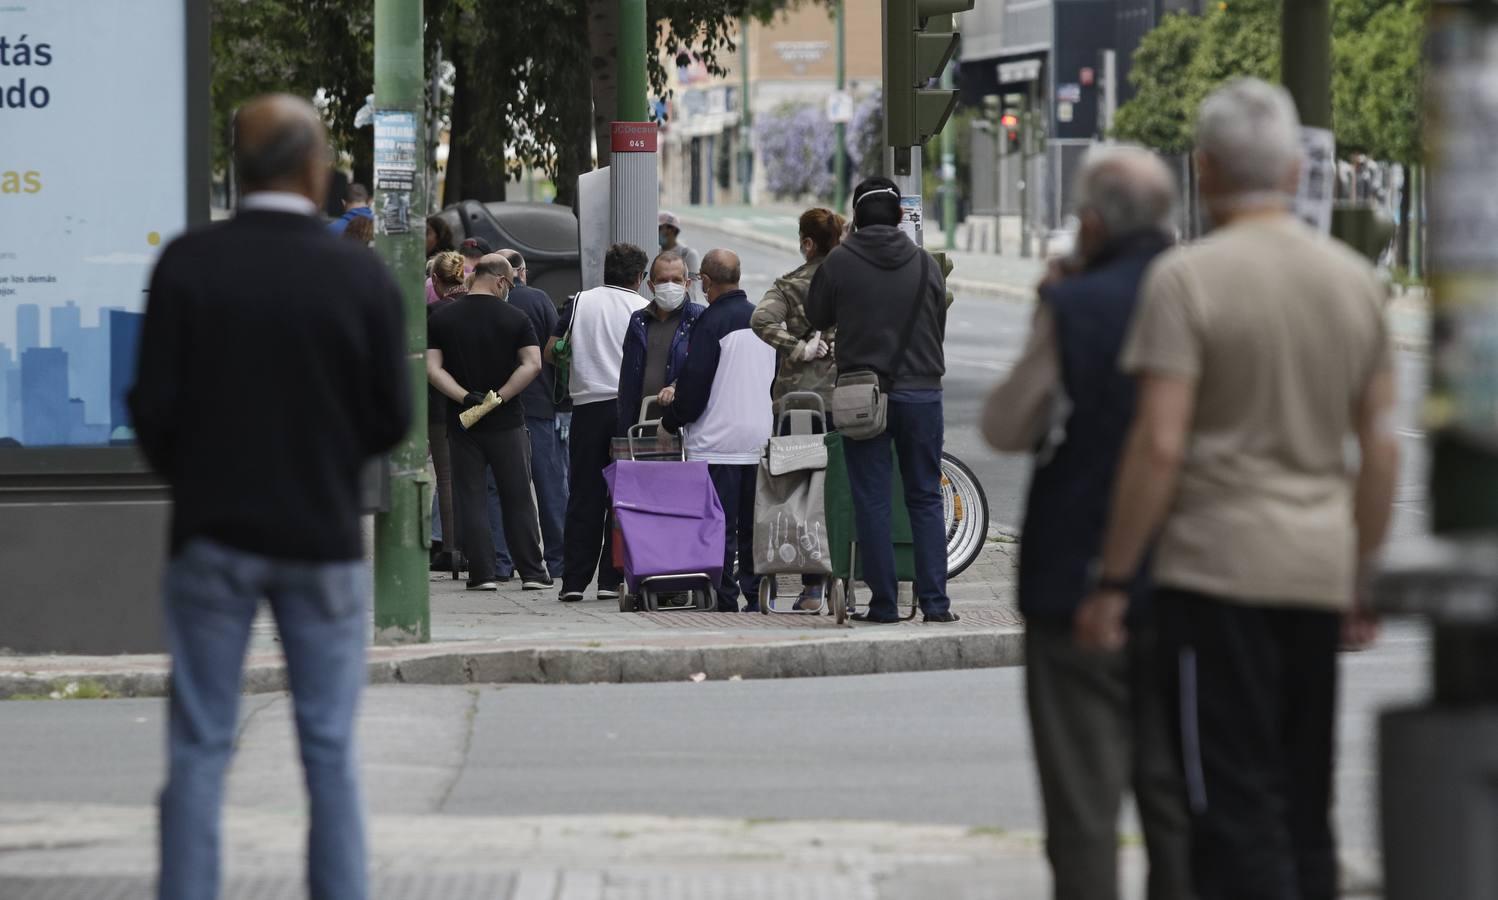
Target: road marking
985,364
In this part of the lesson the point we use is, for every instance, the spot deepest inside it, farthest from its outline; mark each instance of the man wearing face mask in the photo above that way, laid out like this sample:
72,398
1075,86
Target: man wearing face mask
655,347
476,345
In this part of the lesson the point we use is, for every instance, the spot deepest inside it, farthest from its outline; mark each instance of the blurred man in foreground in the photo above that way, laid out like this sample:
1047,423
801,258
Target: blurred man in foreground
271,368
1259,352
1097,718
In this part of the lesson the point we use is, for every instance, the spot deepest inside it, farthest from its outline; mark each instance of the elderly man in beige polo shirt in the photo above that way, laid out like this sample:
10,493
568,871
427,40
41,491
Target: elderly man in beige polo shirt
1260,352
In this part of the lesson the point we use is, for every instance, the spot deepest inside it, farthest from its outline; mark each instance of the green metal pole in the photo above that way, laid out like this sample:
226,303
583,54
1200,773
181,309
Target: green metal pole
840,162
1306,58
634,87
949,170
746,118
402,610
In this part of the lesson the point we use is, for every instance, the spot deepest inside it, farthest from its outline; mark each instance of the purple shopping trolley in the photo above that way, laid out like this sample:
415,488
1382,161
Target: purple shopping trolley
668,533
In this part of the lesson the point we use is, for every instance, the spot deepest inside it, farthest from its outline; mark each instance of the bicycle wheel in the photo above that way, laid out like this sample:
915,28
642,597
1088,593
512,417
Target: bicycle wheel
965,507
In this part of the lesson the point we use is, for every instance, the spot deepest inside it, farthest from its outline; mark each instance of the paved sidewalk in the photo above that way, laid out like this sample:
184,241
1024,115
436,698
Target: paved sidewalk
58,852
514,636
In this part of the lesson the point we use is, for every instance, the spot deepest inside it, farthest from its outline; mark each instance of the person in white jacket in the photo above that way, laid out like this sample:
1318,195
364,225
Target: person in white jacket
594,323
724,394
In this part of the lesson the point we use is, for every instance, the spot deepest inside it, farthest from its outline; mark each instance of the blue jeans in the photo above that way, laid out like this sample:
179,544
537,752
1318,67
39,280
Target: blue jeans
916,431
549,475
321,612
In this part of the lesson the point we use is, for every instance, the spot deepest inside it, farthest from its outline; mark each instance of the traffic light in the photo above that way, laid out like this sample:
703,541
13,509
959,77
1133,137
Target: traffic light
919,38
1010,123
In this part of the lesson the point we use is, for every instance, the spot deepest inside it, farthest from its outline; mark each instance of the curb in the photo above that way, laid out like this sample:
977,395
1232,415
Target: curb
993,289
485,663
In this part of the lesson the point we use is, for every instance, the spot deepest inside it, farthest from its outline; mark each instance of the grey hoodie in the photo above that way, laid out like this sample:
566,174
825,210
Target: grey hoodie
866,287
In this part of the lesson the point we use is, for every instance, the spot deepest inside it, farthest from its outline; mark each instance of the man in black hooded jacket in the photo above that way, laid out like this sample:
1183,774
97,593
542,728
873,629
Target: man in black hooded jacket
887,298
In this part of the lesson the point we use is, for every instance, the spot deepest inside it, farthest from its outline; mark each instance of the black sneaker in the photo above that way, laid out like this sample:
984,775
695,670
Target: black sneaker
537,583
874,620
483,586
572,596
940,617
608,593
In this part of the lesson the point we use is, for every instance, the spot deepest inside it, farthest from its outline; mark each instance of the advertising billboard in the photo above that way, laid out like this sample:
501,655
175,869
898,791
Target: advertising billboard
94,180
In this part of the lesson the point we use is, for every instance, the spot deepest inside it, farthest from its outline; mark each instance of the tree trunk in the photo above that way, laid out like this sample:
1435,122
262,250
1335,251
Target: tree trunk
603,44
468,178
452,190
1402,260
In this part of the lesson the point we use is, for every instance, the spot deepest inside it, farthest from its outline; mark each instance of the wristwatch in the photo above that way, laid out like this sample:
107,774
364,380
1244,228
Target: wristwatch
1097,581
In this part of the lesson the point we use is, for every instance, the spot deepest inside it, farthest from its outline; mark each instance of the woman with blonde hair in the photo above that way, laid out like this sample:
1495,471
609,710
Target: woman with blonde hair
447,283
806,361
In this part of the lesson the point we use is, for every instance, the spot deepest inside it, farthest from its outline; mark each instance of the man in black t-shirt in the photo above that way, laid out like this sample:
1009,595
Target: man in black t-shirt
479,344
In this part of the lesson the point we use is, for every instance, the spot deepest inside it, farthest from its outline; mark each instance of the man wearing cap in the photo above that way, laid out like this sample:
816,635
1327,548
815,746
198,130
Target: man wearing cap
473,250
670,233
886,297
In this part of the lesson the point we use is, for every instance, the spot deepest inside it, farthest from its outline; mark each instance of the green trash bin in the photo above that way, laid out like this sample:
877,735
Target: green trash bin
842,529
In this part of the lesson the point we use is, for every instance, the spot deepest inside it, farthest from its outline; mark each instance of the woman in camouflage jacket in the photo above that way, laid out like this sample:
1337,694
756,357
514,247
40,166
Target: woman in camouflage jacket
806,360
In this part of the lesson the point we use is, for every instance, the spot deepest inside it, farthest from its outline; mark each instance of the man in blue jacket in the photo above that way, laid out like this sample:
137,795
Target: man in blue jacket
723,393
355,206
655,347
1098,720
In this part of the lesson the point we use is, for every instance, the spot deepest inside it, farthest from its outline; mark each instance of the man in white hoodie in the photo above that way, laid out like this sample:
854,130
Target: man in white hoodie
593,324
724,394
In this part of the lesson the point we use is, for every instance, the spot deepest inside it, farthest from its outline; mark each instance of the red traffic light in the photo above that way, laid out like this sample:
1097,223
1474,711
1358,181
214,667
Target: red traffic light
1009,120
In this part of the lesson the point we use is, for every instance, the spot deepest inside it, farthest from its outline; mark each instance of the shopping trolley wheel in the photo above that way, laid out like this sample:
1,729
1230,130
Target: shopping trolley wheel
837,600
705,599
766,594
626,601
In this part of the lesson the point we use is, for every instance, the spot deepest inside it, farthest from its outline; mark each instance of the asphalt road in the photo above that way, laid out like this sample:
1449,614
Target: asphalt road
986,335
948,748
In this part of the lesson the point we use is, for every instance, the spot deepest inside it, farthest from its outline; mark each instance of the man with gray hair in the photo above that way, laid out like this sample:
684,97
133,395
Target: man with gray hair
1098,722
1259,353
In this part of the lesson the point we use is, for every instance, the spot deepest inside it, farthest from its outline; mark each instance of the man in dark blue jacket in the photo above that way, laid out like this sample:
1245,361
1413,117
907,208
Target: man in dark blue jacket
724,396
548,454
355,206
1098,721
655,347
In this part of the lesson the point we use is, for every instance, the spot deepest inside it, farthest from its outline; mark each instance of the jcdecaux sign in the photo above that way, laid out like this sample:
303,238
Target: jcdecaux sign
94,163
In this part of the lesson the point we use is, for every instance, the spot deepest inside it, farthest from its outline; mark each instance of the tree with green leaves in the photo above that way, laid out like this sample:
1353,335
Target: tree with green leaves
1376,75
533,81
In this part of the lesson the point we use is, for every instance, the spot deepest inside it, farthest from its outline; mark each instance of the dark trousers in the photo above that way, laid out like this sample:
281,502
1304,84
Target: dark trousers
1099,726
549,477
915,430
735,487
505,454
1253,692
592,435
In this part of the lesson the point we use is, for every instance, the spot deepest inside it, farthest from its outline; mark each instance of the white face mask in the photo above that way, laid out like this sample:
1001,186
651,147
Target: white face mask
670,296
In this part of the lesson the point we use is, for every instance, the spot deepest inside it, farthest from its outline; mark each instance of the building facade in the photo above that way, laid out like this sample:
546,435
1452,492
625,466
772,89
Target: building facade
792,60
1069,60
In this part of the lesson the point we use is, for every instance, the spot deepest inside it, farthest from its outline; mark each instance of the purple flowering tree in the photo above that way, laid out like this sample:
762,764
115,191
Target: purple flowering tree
866,137
796,144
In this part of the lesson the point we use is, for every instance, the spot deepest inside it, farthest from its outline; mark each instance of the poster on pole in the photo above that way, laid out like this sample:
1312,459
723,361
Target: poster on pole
1318,178
911,213
94,182
395,155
